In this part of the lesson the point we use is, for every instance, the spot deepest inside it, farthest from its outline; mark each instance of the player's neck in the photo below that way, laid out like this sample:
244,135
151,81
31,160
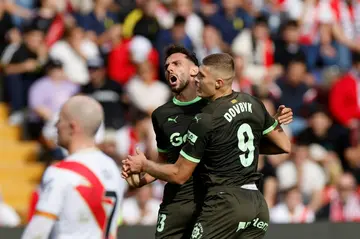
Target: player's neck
186,95
221,93
80,144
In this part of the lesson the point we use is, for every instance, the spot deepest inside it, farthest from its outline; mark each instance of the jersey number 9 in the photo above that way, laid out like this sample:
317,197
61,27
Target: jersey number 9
246,147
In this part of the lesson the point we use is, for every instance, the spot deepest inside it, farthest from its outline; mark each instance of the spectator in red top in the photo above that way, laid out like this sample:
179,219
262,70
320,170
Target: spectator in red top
124,56
344,100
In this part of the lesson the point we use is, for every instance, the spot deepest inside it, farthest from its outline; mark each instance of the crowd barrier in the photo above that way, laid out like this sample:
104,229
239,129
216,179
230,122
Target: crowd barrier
289,231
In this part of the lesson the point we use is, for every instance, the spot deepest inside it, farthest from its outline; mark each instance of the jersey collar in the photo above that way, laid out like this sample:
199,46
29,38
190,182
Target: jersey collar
184,103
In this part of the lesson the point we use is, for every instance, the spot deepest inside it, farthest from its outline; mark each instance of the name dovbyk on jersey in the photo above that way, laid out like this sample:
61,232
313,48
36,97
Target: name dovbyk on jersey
238,109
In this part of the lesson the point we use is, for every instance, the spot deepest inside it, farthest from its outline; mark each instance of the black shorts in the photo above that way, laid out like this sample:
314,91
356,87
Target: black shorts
232,213
176,219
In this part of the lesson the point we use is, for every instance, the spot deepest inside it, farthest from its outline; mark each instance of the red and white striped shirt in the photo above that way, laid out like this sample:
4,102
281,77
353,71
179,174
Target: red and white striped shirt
313,17
348,16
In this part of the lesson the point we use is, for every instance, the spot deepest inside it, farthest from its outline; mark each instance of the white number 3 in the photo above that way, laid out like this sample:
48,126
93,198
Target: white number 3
161,222
246,146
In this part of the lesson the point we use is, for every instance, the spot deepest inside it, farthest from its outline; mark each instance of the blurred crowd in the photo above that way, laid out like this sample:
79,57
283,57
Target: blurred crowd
304,54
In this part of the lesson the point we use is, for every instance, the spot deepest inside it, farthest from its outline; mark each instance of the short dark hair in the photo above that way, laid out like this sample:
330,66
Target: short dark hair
355,57
261,20
136,115
173,49
179,20
221,62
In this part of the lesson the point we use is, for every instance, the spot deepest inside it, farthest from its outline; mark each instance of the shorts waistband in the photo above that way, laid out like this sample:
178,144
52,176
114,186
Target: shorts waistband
250,186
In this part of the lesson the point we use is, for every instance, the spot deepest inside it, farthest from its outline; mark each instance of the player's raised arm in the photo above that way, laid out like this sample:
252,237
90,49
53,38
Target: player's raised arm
51,197
275,140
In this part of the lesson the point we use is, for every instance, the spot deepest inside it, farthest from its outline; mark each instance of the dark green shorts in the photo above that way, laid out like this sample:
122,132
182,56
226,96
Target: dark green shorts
232,213
176,220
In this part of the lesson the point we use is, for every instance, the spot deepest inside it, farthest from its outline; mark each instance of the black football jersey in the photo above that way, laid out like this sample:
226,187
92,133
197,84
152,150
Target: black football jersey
171,122
225,137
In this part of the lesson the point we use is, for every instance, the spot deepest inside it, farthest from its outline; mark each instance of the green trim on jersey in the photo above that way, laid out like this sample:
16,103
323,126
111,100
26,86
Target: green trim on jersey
271,128
162,150
188,157
183,103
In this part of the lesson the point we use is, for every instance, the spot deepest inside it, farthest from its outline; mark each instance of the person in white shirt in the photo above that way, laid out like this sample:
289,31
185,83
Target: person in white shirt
141,209
74,51
292,210
144,91
80,197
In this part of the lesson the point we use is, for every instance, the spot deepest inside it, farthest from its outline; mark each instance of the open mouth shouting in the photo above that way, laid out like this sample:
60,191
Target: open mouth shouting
173,80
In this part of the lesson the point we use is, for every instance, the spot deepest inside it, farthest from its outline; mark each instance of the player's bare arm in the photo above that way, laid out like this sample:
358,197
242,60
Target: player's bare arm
177,173
275,142
283,115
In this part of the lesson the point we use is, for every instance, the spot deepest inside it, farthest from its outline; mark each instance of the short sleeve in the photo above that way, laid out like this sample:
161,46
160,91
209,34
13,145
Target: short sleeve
52,192
17,57
161,141
198,136
270,123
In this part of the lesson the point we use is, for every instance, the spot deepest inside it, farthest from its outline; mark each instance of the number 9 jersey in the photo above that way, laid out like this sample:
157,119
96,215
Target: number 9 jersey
83,194
225,139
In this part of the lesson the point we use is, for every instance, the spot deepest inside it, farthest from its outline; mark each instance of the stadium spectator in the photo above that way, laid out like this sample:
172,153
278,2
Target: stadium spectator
45,15
324,132
230,19
292,210
74,51
257,50
212,42
107,92
23,68
288,46
344,96
346,29
292,90
127,53
97,23
142,21
47,95
6,25
242,83
311,28
343,202
142,84
268,184
279,12
176,35
137,134
194,26
141,209
303,172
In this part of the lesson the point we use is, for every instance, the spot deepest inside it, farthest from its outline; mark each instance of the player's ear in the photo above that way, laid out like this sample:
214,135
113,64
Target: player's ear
219,83
73,126
194,71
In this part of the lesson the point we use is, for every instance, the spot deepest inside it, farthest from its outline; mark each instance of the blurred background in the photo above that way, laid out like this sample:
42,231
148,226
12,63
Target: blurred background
301,53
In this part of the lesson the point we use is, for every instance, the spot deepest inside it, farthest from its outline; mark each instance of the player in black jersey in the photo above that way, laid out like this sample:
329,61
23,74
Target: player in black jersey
171,121
225,140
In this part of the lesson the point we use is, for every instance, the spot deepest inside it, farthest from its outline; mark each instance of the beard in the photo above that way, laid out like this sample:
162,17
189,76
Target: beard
184,82
181,87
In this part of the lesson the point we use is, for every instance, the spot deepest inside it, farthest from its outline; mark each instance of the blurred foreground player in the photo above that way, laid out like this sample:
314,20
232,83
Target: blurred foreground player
225,140
80,197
